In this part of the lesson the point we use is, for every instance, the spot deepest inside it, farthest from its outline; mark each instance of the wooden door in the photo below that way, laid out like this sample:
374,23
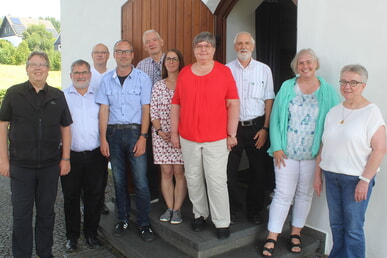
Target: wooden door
177,21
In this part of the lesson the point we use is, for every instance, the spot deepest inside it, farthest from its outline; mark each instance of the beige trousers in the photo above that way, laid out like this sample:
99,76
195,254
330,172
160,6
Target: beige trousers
205,167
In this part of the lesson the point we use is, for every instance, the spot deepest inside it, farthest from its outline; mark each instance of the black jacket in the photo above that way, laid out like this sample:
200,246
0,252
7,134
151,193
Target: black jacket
35,122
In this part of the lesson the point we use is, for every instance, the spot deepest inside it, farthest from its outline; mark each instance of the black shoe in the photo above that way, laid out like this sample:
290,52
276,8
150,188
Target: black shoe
93,242
222,233
198,224
146,233
255,219
71,246
104,209
119,228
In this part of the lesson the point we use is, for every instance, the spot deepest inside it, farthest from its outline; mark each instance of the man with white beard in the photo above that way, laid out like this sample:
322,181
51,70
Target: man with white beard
88,166
255,88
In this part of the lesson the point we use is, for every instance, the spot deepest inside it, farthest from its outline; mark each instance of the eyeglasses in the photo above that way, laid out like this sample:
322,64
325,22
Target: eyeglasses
36,65
100,52
126,52
201,47
171,59
80,73
352,83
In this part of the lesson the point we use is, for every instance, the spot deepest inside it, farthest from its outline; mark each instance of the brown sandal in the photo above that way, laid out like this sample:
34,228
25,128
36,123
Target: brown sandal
293,245
269,250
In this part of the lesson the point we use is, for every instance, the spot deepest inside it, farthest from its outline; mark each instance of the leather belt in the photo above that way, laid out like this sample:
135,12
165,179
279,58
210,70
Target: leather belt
125,126
250,122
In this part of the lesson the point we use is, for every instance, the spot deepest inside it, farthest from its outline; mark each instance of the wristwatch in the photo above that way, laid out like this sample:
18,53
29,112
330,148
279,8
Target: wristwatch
145,135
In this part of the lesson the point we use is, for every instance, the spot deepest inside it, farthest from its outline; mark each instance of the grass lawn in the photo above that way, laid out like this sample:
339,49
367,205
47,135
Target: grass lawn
14,74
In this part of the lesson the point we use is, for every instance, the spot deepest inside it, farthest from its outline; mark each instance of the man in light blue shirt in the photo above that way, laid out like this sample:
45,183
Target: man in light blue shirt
88,166
124,98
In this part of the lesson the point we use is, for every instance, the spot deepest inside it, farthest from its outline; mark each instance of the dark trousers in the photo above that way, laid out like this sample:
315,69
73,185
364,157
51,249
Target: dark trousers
256,180
31,186
87,174
153,172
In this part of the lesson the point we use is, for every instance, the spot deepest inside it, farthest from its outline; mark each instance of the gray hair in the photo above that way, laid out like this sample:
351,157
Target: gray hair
309,51
244,32
100,44
122,40
204,36
356,68
41,54
148,32
80,62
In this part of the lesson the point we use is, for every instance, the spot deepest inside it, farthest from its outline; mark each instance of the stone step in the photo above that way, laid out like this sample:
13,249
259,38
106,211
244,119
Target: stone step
245,241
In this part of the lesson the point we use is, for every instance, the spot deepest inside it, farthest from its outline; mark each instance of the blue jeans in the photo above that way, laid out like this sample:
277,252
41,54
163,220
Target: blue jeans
346,216
121,144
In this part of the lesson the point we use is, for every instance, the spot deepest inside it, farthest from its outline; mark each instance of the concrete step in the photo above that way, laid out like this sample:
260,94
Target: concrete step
245,241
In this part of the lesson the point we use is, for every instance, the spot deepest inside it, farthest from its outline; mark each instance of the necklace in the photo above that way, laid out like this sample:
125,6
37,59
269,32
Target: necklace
345,117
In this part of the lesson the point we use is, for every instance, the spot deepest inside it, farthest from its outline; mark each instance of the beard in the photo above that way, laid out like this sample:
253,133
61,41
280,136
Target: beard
81,86
244,55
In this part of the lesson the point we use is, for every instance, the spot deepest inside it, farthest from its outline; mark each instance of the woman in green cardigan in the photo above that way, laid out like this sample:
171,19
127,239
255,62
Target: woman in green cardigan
296,126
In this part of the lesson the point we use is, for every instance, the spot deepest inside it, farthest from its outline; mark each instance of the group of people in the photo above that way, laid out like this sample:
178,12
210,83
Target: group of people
201,118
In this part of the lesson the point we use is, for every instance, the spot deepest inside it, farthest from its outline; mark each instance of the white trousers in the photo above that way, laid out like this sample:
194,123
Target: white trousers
205,167
293,182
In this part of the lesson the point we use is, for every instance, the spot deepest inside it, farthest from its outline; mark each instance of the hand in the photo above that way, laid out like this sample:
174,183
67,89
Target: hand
166,136
140,147
261,137
4,167
105,149
64,166
279,158
361,191
175,140
231,142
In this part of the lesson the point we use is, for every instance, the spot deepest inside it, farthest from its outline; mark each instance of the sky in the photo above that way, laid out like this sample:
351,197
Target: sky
31,8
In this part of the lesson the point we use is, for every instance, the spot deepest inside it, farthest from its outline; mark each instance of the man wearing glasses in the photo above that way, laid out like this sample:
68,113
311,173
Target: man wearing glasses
100,55
124,97
88,166
35,117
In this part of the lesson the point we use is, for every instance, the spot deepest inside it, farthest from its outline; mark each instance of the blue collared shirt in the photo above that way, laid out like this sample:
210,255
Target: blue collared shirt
125,102
84,111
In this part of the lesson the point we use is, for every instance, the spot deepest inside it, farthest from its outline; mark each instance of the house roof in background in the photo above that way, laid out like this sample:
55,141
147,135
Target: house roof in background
20,24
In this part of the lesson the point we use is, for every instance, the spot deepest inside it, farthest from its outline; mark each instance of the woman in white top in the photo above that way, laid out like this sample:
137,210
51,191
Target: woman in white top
353,146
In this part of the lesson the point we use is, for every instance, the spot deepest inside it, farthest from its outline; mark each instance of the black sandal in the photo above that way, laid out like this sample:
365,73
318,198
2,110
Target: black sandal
293,245
269,250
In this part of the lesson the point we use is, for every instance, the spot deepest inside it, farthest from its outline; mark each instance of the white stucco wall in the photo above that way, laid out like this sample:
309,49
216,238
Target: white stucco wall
84,24
344,32
341,32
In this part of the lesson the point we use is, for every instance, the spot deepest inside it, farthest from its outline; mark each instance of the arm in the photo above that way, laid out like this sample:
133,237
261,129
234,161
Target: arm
64,163
233,106
4,159
166,136
103,121
318,182
175,117
261,135
378,144
140,146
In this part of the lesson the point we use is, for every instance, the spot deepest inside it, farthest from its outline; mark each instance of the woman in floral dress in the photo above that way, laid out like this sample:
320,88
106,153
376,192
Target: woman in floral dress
169,158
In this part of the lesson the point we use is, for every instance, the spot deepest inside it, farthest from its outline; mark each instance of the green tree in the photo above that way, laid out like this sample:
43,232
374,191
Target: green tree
55,60
7,52
22,53
38,38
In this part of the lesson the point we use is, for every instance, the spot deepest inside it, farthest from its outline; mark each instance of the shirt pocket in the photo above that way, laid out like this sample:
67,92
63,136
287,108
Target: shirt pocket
257,89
